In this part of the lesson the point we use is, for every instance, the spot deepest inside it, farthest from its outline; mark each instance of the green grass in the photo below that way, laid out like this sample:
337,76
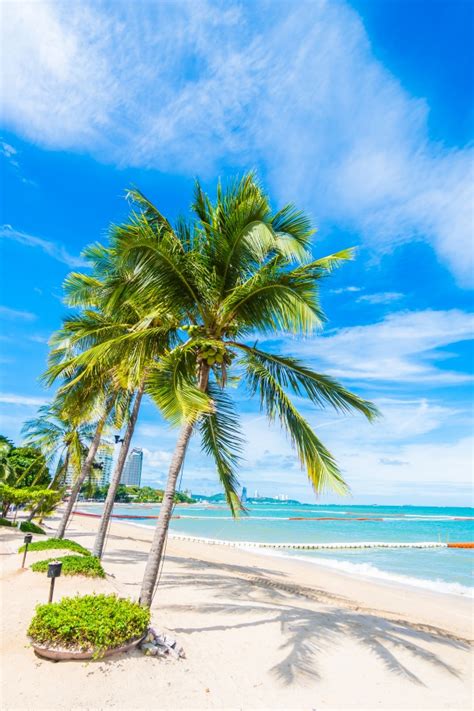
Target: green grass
56,544
74,565
92,623
30,527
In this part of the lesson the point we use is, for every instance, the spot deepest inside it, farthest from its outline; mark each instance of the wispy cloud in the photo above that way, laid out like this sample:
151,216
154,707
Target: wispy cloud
405,347
346,289
36,338
10,154
384,297
14,314
192,96
12,399
53,249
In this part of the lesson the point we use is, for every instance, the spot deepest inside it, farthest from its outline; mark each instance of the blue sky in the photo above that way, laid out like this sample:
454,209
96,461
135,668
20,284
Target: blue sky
361,113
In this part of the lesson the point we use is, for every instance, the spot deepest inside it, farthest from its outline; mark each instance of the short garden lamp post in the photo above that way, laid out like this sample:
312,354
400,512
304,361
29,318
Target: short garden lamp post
54,571
27,540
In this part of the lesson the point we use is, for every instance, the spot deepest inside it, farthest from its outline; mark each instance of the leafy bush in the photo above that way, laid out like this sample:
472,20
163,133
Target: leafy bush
56,543
92,623
74,565
30,527
6,522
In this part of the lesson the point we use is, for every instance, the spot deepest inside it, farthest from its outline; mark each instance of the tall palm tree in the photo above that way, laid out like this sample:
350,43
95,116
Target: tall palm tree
61,436
96,392
105,334
237,270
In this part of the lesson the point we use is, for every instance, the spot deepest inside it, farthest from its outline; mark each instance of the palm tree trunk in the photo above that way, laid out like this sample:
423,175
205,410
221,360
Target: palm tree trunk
117,475
161,531
85,471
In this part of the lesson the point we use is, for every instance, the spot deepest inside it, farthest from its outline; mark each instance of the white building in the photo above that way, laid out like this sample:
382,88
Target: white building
132,471
102,471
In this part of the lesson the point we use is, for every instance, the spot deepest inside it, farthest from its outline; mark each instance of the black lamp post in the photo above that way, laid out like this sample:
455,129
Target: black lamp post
27,540
54,571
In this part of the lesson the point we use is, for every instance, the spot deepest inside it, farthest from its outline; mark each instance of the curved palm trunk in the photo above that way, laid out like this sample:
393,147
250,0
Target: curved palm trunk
117,475
85,471
161,531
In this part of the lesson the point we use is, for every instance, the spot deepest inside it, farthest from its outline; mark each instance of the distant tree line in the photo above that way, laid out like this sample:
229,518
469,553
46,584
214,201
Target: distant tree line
135,494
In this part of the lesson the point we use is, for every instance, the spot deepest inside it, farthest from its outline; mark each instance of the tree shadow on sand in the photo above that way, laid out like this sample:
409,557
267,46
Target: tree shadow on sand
308,633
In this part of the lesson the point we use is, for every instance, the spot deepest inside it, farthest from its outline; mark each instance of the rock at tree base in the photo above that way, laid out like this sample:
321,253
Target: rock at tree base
156,644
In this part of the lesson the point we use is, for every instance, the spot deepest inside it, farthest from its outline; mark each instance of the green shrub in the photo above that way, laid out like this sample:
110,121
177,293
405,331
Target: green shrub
6,522
92,623
74,565
56,543
30,527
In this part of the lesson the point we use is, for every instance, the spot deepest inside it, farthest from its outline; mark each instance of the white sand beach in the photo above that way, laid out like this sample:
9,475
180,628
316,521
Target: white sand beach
258,632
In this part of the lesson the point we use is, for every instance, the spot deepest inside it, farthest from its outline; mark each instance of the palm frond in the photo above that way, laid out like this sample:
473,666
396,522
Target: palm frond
320,389
221,439
275,299
319,463
171,383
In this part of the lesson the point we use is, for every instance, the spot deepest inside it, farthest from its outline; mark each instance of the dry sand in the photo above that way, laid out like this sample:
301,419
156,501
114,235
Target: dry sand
259,633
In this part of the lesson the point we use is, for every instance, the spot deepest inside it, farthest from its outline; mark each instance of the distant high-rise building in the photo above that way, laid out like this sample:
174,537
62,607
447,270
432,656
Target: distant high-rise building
243,498
104,458
132,471
102,467
257,495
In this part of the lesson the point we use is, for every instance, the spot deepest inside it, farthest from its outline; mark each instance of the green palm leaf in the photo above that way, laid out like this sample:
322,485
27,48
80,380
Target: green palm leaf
221,439
171,383
320,389
319,463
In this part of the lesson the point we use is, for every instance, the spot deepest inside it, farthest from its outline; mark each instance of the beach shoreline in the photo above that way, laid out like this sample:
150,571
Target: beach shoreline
259,632
448,611
365,572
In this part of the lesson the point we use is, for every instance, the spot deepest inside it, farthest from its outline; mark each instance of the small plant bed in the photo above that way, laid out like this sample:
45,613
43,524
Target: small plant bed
74,565
29,527
56,544
87,627
6,522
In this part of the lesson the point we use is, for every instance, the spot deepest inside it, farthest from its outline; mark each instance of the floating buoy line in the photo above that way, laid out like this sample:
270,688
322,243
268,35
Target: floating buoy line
298,546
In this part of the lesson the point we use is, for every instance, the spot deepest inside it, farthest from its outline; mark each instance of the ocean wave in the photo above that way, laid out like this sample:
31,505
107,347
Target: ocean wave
367,570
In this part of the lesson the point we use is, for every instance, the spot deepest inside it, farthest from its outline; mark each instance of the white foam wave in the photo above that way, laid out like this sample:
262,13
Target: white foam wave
367,570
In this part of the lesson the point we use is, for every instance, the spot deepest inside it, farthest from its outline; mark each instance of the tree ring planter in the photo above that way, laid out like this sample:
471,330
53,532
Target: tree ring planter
63,655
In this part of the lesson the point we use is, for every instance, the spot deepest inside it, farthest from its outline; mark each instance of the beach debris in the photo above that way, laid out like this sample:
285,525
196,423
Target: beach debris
157,644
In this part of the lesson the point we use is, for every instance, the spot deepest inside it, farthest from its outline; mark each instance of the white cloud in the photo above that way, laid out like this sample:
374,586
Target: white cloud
423,474
346,289
404,347
173,86
384,297
14,314
8,152
36,338
407,453
53,249
13,399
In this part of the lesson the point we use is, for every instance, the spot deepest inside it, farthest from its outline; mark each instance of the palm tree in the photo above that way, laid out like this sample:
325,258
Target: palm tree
105,334
61,436
237,270
94,392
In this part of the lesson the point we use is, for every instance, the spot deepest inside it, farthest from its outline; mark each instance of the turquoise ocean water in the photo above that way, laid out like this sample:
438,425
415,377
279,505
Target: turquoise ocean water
441,569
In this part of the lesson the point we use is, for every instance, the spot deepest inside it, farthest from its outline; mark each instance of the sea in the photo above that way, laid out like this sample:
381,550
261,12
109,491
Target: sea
445,570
